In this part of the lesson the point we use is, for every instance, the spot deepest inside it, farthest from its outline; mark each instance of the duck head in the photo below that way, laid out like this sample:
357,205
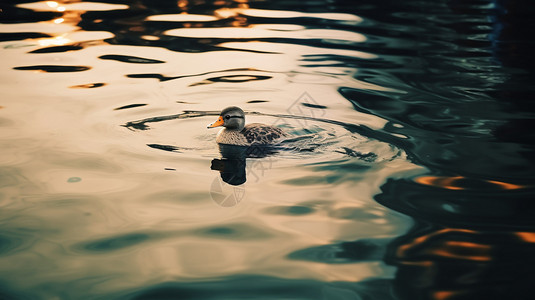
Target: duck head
231,118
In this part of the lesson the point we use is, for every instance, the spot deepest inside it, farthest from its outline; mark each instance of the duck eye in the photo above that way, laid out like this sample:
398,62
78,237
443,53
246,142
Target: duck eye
227,117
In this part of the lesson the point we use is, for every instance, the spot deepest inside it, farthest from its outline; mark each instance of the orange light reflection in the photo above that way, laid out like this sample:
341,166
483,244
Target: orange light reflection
182,3
401,251
55,41
455,182
440,181
528,237
507,186
52,4
456,249
443,295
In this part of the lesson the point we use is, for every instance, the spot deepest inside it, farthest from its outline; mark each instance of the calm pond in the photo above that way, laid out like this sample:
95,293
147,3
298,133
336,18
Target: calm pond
406,172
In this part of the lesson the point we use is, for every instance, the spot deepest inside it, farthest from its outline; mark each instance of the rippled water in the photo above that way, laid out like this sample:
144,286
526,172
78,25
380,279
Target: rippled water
406,173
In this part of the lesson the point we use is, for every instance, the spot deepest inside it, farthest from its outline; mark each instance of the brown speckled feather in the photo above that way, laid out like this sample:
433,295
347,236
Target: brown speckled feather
257,133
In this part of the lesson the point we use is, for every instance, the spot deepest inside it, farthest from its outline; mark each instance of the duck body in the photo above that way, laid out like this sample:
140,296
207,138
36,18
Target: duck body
251,134
235,132
231,137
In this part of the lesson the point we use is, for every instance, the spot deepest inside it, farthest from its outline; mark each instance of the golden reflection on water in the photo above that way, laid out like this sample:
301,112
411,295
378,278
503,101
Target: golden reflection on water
507,186
451,262
443,295
183,17
463,183
251,33
55,41
463,250
55,5
418,241
75,5
64,29
271,13
528,237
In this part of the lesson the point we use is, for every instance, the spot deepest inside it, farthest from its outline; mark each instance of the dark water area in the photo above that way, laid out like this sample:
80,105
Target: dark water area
407,173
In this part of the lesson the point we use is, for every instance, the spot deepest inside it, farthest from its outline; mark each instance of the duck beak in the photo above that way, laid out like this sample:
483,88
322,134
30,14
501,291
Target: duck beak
217,123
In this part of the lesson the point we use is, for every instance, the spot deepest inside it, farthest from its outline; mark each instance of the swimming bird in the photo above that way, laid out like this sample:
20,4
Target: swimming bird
235,132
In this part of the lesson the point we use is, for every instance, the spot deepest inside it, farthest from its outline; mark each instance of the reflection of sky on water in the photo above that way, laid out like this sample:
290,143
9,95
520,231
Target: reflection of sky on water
106,162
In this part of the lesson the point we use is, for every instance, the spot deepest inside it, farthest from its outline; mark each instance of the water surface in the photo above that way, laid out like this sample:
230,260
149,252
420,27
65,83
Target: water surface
406,174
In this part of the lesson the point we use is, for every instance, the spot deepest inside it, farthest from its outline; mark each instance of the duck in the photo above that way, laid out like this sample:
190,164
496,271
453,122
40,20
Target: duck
235,132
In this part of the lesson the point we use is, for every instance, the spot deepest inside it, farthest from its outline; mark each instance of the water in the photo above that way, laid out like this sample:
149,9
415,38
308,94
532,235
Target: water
407,173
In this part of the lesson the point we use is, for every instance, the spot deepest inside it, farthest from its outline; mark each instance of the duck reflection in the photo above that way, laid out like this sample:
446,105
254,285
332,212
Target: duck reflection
232,164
